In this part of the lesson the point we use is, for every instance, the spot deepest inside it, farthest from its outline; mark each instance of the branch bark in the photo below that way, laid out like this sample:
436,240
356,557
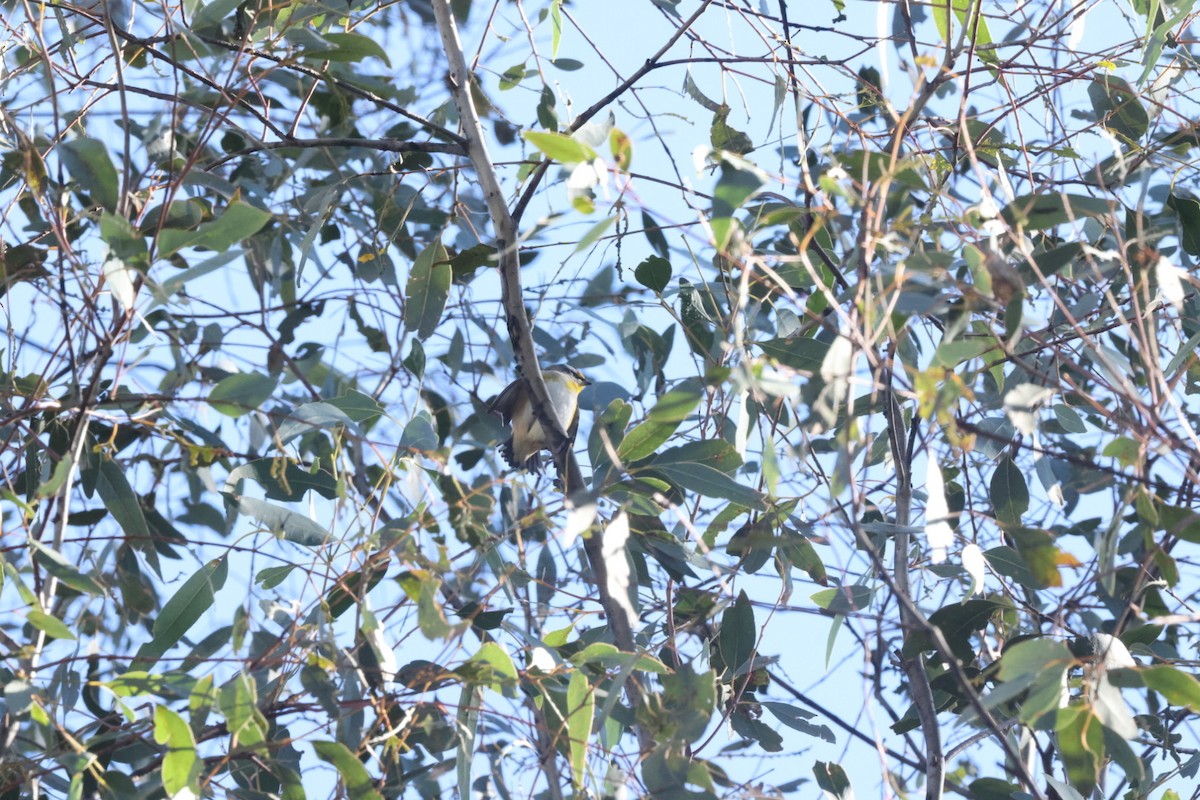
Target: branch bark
918,679
519,331
912,619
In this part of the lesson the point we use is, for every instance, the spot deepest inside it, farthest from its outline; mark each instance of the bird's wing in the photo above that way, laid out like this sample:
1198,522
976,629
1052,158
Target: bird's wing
573,428
503,404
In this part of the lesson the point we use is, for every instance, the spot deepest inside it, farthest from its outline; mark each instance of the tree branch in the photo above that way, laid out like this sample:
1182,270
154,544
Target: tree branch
519,331
918,679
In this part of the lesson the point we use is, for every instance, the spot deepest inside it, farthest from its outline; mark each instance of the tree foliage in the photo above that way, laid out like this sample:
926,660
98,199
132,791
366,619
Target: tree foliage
889,464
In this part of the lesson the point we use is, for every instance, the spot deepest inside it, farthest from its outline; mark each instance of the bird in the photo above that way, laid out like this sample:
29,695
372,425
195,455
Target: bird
522,450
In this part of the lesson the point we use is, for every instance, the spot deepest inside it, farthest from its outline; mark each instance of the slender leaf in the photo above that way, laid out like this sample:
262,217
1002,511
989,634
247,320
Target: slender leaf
88,162
560,147
581,710
180,767
184,610
427,291
51,626
238,222
355,777
737,636
280,521
241,393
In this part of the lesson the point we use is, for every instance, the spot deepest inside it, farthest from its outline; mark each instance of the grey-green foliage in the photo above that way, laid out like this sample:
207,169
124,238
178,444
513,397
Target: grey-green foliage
259,543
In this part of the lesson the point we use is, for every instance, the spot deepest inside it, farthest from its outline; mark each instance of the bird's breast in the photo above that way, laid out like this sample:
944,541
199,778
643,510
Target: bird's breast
562,399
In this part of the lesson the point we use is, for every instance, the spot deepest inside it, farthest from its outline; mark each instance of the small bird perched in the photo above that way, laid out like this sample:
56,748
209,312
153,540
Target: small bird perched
521,450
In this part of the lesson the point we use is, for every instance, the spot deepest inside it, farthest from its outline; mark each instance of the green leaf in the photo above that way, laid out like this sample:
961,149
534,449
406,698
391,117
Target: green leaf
285,481
672,408
499,665
546,114
621,147
427,291
51,626
238,701
180,767
57,565
124,241
1037,212
419,434
424,588
992,789
305,419
1178,687
797,352
756,730
88,163
121,502
280,521
654,235
241,393
346,47
468,731
355,777
560,147
200,703
1040,555
581,710
833,781
798,551
1118,108
1081,741
1034,656
1188,210
1124,449
977,28
951,354
737,636
183,610
654,273
725,137
798,720
958,622
362,408
270,577
710,482
57,480
1010,495
511,78
238,222
1051,262
414,362
608,655
1070,421
214,13
693,91
844,599
1159,28
738,182
594,233
556,27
